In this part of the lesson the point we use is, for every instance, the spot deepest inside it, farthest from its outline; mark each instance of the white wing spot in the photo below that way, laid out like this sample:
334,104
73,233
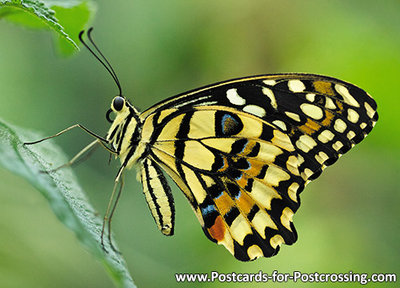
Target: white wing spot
326,136
305,143
286,218
329,103
351,134
352,116
254,252
292,165
234,97
312,111
255,110
269,82
346,95
293,116
268,92
292,191
296,86
337,145
370,111
321,157
307,173
340,125
276,241
262,220
280,124
275,175
363,125
240,228
310,97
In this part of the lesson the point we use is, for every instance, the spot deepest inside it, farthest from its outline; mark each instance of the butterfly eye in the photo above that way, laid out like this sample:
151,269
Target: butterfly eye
118,103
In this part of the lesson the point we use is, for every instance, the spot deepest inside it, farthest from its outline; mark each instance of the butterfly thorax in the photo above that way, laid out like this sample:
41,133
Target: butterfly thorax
124,133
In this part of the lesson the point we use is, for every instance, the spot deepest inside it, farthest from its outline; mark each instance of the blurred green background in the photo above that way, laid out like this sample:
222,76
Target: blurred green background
349,219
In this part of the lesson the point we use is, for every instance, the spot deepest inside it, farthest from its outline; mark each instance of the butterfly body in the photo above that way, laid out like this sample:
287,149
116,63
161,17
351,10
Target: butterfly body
124,133
241,151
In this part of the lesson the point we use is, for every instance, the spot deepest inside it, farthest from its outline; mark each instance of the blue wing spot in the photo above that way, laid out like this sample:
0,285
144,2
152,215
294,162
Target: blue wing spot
208,209
219,195
237,196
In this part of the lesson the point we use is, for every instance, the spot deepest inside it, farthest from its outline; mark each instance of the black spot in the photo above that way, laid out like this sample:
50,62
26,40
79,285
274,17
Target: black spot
253,212
315,175
240,252
231,215
239,146
346,148
366,130
233,173
332,159
214,191
282,159
218,162
283,189
233,189
241,164
277,206
261,175
308,84
319,99
209,212
249,184
267,133
254,152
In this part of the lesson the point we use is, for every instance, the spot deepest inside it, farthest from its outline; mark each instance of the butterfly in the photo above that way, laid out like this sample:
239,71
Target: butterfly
241,151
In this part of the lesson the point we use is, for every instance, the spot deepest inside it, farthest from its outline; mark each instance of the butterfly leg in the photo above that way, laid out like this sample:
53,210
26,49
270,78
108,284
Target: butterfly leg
102,140
111,215
78,157
90,147
110,210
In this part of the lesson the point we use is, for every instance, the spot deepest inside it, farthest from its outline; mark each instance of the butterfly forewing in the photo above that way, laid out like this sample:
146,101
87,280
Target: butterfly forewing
243,150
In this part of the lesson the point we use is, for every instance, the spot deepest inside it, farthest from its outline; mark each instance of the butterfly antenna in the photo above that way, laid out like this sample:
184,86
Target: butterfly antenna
103,61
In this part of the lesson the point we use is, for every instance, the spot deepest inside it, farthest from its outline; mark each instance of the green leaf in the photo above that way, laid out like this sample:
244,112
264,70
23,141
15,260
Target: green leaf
60,188
65,18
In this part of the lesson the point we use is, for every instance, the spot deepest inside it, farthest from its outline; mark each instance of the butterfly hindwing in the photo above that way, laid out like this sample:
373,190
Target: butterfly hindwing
244,149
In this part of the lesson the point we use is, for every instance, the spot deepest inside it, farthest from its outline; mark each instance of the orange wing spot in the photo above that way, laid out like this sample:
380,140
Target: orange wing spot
245,202
310,127
307,130
329,116
255,168
340,106
224,203
226,165
242,182
249,147
217,231
323,87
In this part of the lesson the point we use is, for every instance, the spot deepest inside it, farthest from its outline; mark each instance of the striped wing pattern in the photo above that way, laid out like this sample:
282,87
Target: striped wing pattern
243,150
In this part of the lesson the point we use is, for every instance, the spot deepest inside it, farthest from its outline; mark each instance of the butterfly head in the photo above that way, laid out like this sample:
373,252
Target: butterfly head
121,107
